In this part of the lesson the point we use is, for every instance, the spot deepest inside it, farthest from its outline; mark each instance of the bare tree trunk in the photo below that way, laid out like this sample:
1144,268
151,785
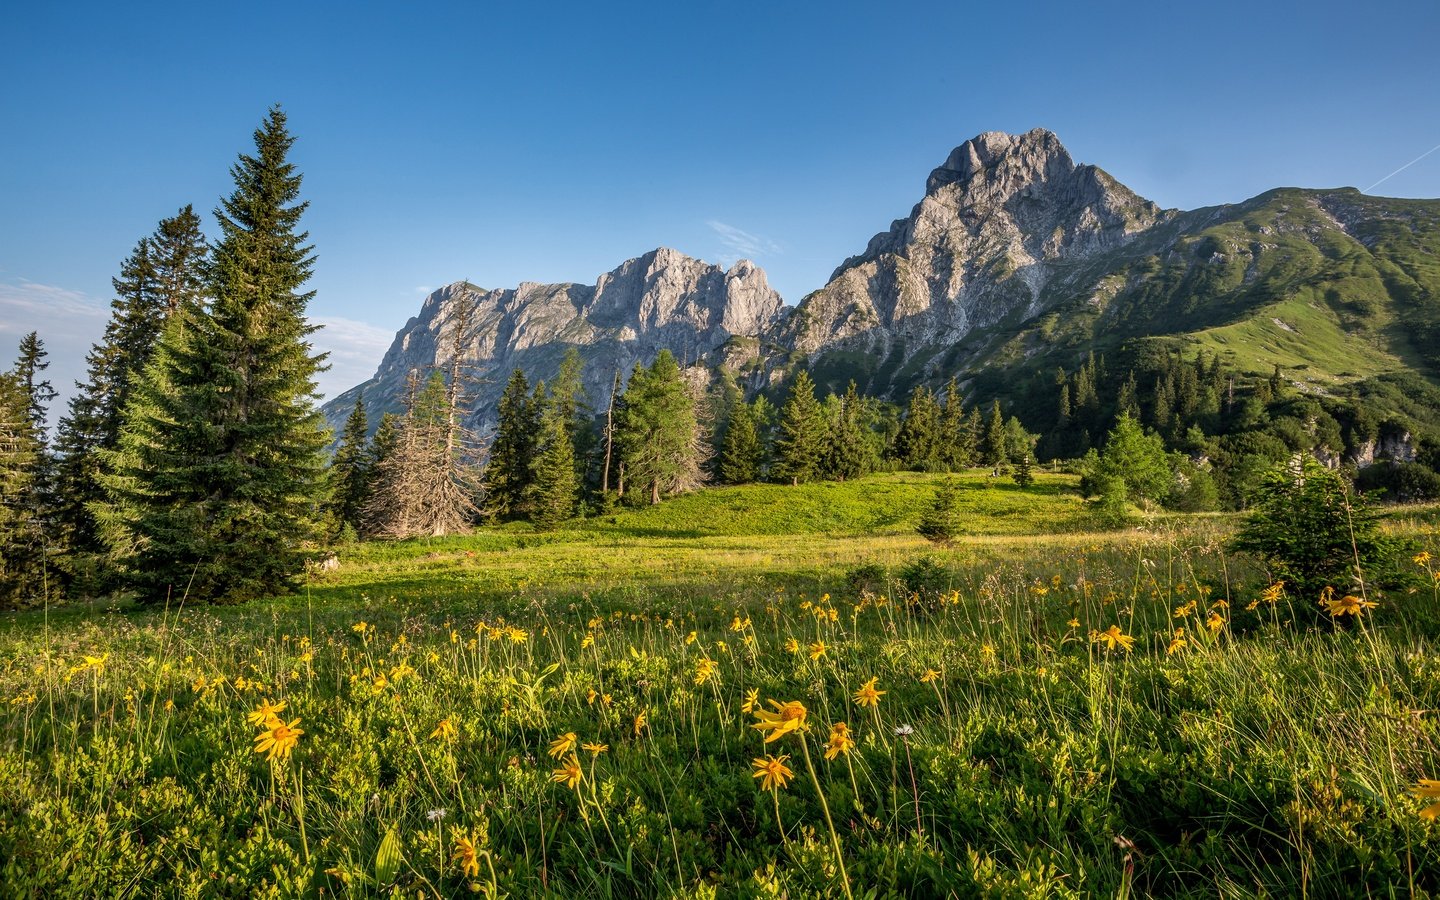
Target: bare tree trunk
610,438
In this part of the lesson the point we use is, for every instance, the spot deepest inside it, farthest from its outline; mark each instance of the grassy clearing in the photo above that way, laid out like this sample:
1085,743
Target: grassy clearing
1256,756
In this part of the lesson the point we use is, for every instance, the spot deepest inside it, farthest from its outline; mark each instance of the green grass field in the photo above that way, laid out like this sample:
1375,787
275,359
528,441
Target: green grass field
1236,748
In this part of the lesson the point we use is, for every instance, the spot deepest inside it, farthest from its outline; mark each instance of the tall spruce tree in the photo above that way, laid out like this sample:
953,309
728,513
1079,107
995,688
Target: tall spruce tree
800,448
658,431
219,477
554,486
508,473
741,451
352,470
31,361
847,454
992,446
22,543
163,273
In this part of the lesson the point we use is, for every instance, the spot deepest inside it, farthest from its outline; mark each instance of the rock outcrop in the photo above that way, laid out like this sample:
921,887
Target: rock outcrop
662,300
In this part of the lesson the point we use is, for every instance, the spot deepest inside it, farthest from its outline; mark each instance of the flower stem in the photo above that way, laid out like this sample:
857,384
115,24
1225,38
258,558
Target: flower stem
834,838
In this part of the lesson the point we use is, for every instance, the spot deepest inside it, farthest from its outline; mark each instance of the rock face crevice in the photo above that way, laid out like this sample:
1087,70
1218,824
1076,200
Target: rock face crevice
661,300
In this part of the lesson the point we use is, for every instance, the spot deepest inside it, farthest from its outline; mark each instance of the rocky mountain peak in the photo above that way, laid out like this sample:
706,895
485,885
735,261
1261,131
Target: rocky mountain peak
1033,156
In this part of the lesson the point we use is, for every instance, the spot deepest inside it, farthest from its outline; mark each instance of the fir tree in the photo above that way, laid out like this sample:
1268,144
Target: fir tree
507,476
554,487
1024,475
219,476
800,448
741,451
941,523
917,443
657,429
992,447
352,469
22,545
30,365
1128,403
846,454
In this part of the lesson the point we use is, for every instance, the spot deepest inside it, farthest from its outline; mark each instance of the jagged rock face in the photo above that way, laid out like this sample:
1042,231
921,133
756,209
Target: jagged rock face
1001,223
662,300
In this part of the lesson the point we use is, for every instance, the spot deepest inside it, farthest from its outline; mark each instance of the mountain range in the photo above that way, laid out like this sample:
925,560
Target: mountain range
1015,261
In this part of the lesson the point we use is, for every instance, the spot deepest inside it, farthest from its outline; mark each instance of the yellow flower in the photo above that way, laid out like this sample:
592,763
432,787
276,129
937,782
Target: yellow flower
752,697
930,676
590,696
361,627
787,717
517,635
569,773
1272,593
596,749
1421,558
867,695
1177,641
589,641
1183,611
562,745
840,741
817,650
96,662
642,719
690,638
773,771
445,731
987,650
1073,623
1112,637
279,740
1428,789
705,669
467,857
792,645
1348,605
1215,622
262,715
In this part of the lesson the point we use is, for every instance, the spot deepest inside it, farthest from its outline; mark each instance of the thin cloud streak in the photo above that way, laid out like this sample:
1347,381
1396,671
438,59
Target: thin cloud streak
355,349
743,243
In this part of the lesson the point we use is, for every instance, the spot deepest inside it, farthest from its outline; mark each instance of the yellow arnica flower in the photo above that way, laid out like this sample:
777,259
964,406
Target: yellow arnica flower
596,749
867,695
1215,622
772,771
279,740
589,641
361,627
96,662
445,731
792,645
261,715
642,719
1272,593
785,718
840,741
590,696
467,857
705,669
569,773
1177,641
752,697
562,745
1348,605
1428,789
930,676
817,650
1113,637
1421,558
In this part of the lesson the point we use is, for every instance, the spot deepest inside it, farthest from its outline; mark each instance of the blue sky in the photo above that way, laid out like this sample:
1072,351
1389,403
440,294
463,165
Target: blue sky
510,142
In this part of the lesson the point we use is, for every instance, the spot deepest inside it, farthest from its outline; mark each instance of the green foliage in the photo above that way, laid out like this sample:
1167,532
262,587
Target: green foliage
942,522
994,450
554,488
849,453
801,444
657,429
218,479
1024,473
352,470
22,542
741,451
1313,532
508,473
1133,458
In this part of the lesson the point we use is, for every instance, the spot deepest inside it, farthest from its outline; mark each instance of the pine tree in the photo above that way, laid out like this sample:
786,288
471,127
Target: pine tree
1128,402
352,469
507,476
800,448
916,444
941,523
657,430
992,447
741,450
22,544
846,454
554,487
573,405
1024,475
30,365
950,441
163,273
219,476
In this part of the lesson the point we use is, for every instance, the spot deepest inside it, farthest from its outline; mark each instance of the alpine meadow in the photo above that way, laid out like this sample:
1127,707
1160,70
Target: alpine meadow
1056,544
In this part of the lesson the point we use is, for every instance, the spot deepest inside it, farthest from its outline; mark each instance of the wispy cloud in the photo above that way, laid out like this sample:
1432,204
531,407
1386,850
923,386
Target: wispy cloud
743,244
355,350
67,321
